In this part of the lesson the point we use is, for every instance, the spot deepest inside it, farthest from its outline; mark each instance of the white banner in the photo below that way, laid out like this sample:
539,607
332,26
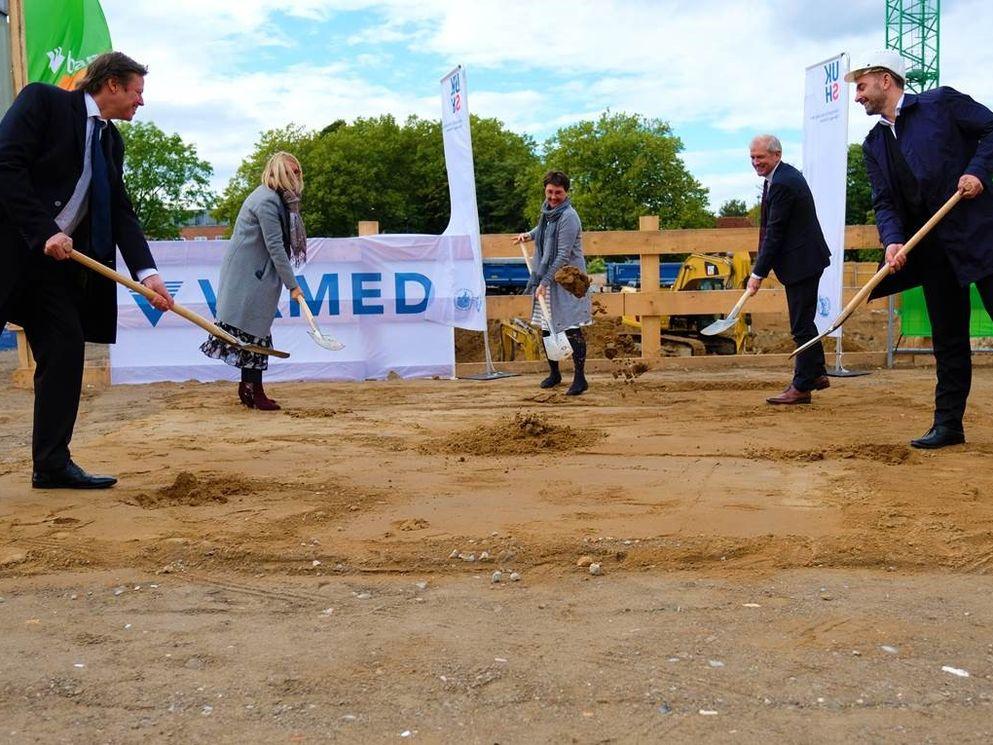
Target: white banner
379,295
825,167
462,191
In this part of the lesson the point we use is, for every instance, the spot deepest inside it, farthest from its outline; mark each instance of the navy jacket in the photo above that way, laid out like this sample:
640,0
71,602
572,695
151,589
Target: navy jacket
943,134
793,243
42,138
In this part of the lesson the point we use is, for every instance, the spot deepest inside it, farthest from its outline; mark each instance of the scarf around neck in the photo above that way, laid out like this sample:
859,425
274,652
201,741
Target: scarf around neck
298,235
548,228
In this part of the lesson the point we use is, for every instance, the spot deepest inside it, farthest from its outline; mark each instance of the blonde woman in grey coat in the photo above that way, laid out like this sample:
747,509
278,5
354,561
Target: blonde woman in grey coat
558,242
268,235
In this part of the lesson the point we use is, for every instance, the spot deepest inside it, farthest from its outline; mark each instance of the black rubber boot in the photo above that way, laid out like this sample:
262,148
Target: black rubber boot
578,344
554,375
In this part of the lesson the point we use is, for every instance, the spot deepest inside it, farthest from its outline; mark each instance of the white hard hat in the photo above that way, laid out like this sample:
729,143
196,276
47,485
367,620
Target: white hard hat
885,59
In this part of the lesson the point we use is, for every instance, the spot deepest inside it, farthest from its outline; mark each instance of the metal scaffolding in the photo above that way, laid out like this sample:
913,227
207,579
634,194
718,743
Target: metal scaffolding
912,29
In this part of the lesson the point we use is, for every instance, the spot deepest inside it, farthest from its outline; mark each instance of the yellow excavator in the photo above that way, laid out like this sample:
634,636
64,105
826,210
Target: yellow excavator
680,335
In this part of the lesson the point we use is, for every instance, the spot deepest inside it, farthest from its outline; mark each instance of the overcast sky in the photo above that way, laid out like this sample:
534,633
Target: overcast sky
222,71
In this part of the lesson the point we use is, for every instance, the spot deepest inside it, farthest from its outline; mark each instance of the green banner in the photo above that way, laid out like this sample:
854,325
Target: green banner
61,37
914,320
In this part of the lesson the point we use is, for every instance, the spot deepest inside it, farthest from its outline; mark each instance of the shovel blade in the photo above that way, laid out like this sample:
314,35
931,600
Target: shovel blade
720,326
557,346
326,341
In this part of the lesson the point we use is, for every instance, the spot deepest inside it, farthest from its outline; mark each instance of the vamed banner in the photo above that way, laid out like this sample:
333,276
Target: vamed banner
61,37
825,167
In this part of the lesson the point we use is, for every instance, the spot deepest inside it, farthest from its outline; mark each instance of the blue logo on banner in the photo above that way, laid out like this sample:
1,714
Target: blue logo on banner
465,301
823,306
150,312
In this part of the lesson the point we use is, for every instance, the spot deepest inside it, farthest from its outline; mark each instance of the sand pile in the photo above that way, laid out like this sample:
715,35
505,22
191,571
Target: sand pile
524,434
881,453
191,491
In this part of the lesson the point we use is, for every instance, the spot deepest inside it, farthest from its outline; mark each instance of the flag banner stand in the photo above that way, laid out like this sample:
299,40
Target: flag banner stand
462,192
825,164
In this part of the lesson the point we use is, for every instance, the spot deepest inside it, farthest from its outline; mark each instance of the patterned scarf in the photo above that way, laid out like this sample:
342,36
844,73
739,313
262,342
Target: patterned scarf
548,228
298,235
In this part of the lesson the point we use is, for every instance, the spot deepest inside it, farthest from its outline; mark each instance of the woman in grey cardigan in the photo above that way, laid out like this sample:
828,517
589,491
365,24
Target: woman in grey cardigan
558,243
267,235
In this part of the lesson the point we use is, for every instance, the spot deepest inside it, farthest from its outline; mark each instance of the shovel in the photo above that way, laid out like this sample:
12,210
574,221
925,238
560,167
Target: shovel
315,332
879,276
730,320
557,345
189,315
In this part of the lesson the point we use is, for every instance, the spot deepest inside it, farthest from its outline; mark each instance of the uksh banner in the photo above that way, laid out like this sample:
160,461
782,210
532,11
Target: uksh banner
391,299
462,186
825,167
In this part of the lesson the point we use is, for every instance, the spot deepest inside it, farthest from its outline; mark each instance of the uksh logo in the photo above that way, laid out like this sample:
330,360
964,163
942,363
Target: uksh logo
832,88
153,315
456,94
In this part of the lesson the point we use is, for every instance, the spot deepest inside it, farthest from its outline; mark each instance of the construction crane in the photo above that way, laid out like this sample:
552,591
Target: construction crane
912,28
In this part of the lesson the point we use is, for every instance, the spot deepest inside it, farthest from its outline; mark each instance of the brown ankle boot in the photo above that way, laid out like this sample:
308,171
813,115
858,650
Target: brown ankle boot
263,402
246,395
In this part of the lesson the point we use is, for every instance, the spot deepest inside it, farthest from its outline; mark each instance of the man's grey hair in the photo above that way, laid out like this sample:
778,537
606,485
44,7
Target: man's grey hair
771,142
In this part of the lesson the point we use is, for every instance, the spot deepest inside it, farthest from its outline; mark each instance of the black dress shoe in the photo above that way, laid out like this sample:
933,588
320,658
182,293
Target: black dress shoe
70,477
939,436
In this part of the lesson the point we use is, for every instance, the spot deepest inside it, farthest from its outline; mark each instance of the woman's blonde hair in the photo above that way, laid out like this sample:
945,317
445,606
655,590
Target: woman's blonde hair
283,171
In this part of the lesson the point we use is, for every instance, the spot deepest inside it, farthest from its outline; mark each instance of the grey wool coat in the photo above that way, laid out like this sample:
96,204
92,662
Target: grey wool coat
565,248
256,266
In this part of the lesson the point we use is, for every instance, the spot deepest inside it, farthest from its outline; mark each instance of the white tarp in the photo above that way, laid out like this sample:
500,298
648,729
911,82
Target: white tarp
391,299
462,191
825,167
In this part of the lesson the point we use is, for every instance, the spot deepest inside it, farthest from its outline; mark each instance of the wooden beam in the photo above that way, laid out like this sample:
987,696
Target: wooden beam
637,242
18,57
651,323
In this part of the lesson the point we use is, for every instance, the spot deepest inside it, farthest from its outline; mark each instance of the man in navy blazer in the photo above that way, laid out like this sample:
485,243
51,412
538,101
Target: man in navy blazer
923,149
792,245
61,189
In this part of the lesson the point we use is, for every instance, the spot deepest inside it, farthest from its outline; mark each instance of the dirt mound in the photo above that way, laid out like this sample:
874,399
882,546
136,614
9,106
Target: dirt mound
882,453
316,413
524,434
191,491
573,280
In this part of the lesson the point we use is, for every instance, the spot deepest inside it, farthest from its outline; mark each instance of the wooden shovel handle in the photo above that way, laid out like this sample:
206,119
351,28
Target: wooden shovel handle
186,313
542,303
883,272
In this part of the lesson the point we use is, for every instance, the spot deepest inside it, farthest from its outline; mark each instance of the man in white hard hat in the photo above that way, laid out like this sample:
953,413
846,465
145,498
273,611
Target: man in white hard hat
924,148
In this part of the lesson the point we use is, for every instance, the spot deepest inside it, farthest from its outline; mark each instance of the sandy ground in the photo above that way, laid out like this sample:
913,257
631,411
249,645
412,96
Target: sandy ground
796,575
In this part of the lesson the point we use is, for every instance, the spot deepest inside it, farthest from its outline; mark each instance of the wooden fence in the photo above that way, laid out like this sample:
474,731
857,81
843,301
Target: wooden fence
651,303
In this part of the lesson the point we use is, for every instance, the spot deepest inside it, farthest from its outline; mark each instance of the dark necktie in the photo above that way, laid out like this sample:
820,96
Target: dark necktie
763,217
101,236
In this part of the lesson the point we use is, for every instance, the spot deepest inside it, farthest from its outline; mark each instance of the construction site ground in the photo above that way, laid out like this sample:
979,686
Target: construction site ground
326,573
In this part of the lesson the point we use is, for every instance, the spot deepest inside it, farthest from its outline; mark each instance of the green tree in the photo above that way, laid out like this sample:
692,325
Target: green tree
291,138
165,178
733,208
858,206
379,169
623,166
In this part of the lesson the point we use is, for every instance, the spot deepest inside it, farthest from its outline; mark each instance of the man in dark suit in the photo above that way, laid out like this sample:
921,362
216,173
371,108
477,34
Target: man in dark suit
923,149
792,245
61,160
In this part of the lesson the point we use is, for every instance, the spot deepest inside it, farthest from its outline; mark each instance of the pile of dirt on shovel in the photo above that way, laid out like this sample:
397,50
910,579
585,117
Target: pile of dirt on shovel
573,280
192,491
523,434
